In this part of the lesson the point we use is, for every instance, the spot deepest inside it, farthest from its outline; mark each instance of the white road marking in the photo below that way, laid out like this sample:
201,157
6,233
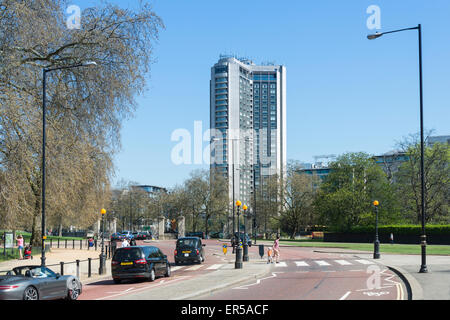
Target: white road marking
301,264
176,268
322,263
343,262
281,264
214,267
365,261
258,281
195,267
345,295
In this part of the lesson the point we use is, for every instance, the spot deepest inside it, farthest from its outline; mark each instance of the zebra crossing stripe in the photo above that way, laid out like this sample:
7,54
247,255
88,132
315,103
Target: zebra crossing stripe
175,268
195,267
214,267
281,264
343,262
301,264
364,261
322,263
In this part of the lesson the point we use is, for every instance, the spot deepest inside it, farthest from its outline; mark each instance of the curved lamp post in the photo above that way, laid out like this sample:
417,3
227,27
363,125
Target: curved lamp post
44,112
245,244
376,244
423,267
102,254
238,262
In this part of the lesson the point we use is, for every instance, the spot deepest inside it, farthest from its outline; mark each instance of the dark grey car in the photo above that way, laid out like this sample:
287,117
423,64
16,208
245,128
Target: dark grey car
38,283
136,262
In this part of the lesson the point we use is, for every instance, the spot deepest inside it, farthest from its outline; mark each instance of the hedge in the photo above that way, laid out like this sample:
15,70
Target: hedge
403,229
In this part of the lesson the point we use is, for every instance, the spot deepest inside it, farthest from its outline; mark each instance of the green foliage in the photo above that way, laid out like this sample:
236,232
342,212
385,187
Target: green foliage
403,229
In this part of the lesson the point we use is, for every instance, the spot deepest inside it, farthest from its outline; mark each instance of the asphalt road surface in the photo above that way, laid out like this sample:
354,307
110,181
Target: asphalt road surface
302,274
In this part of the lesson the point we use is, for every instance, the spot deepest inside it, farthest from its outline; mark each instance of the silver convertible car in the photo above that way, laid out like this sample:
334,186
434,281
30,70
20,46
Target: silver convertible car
38,283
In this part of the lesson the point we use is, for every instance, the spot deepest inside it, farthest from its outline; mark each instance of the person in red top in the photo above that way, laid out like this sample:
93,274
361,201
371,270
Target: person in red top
276,249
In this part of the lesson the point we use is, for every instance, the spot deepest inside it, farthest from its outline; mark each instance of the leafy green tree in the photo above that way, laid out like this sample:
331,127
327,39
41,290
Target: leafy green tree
345,197
437,182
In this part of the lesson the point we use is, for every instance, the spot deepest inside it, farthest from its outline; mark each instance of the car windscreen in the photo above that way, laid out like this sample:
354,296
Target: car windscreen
128,254
187,242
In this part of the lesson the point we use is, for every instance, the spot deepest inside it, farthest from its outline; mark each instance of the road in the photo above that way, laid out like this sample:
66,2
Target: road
302,274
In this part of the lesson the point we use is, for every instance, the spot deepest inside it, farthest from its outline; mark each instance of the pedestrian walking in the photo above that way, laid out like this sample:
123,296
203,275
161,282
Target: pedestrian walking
20,246
276,249
392,238
269,255
125,243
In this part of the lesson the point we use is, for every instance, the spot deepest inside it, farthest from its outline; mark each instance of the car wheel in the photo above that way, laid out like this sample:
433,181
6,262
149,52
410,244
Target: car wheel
117,281
168,271
74,291
30,293
152,276
177,262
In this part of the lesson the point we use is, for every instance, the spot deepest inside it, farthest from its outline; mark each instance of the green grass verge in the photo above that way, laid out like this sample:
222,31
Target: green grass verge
386,248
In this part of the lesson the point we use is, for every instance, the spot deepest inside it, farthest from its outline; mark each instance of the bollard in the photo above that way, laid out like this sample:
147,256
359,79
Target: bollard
95,244
73,244
261,250
51,243
238,262
89,267
62,268
78,269
65,243
81,244
58,243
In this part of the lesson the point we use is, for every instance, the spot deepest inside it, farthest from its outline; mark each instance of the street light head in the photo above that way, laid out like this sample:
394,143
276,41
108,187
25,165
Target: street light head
238,203
244,207
376,203
103,211
374,36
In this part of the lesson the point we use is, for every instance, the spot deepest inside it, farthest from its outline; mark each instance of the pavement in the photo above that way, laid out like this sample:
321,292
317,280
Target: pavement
433,285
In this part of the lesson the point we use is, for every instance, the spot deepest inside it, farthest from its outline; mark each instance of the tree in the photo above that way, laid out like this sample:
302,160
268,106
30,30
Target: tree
345,196
85,106
297,202
437,182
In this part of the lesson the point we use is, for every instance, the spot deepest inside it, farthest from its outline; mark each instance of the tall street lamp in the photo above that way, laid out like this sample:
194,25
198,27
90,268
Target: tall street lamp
44,136
245,244
102,255
238,262
376,244
423,267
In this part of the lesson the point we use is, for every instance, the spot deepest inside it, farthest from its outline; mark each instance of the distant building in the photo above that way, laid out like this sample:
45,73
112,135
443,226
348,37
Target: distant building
151,190
440,139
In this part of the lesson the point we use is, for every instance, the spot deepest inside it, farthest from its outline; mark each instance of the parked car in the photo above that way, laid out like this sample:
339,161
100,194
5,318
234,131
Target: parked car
216,235
127,234
136,262
116,236
143,235
196,234
241,236
189,249
38,283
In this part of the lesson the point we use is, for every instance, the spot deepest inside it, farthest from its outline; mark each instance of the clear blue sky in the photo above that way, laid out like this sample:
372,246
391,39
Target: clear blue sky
344,92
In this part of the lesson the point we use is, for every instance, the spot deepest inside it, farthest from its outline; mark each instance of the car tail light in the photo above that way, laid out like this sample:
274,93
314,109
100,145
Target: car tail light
141,261
8,287
175,252
197,252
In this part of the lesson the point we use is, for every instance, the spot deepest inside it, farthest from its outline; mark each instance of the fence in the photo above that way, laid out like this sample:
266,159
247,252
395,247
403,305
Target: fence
83,269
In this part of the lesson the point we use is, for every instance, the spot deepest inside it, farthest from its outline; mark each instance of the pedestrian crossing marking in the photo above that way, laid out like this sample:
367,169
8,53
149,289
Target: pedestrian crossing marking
322,263
301,264
214,267
175,268
364,261
343,262
195,267
281,264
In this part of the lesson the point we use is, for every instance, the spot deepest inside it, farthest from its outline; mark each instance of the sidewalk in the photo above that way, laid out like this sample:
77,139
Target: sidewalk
69,257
